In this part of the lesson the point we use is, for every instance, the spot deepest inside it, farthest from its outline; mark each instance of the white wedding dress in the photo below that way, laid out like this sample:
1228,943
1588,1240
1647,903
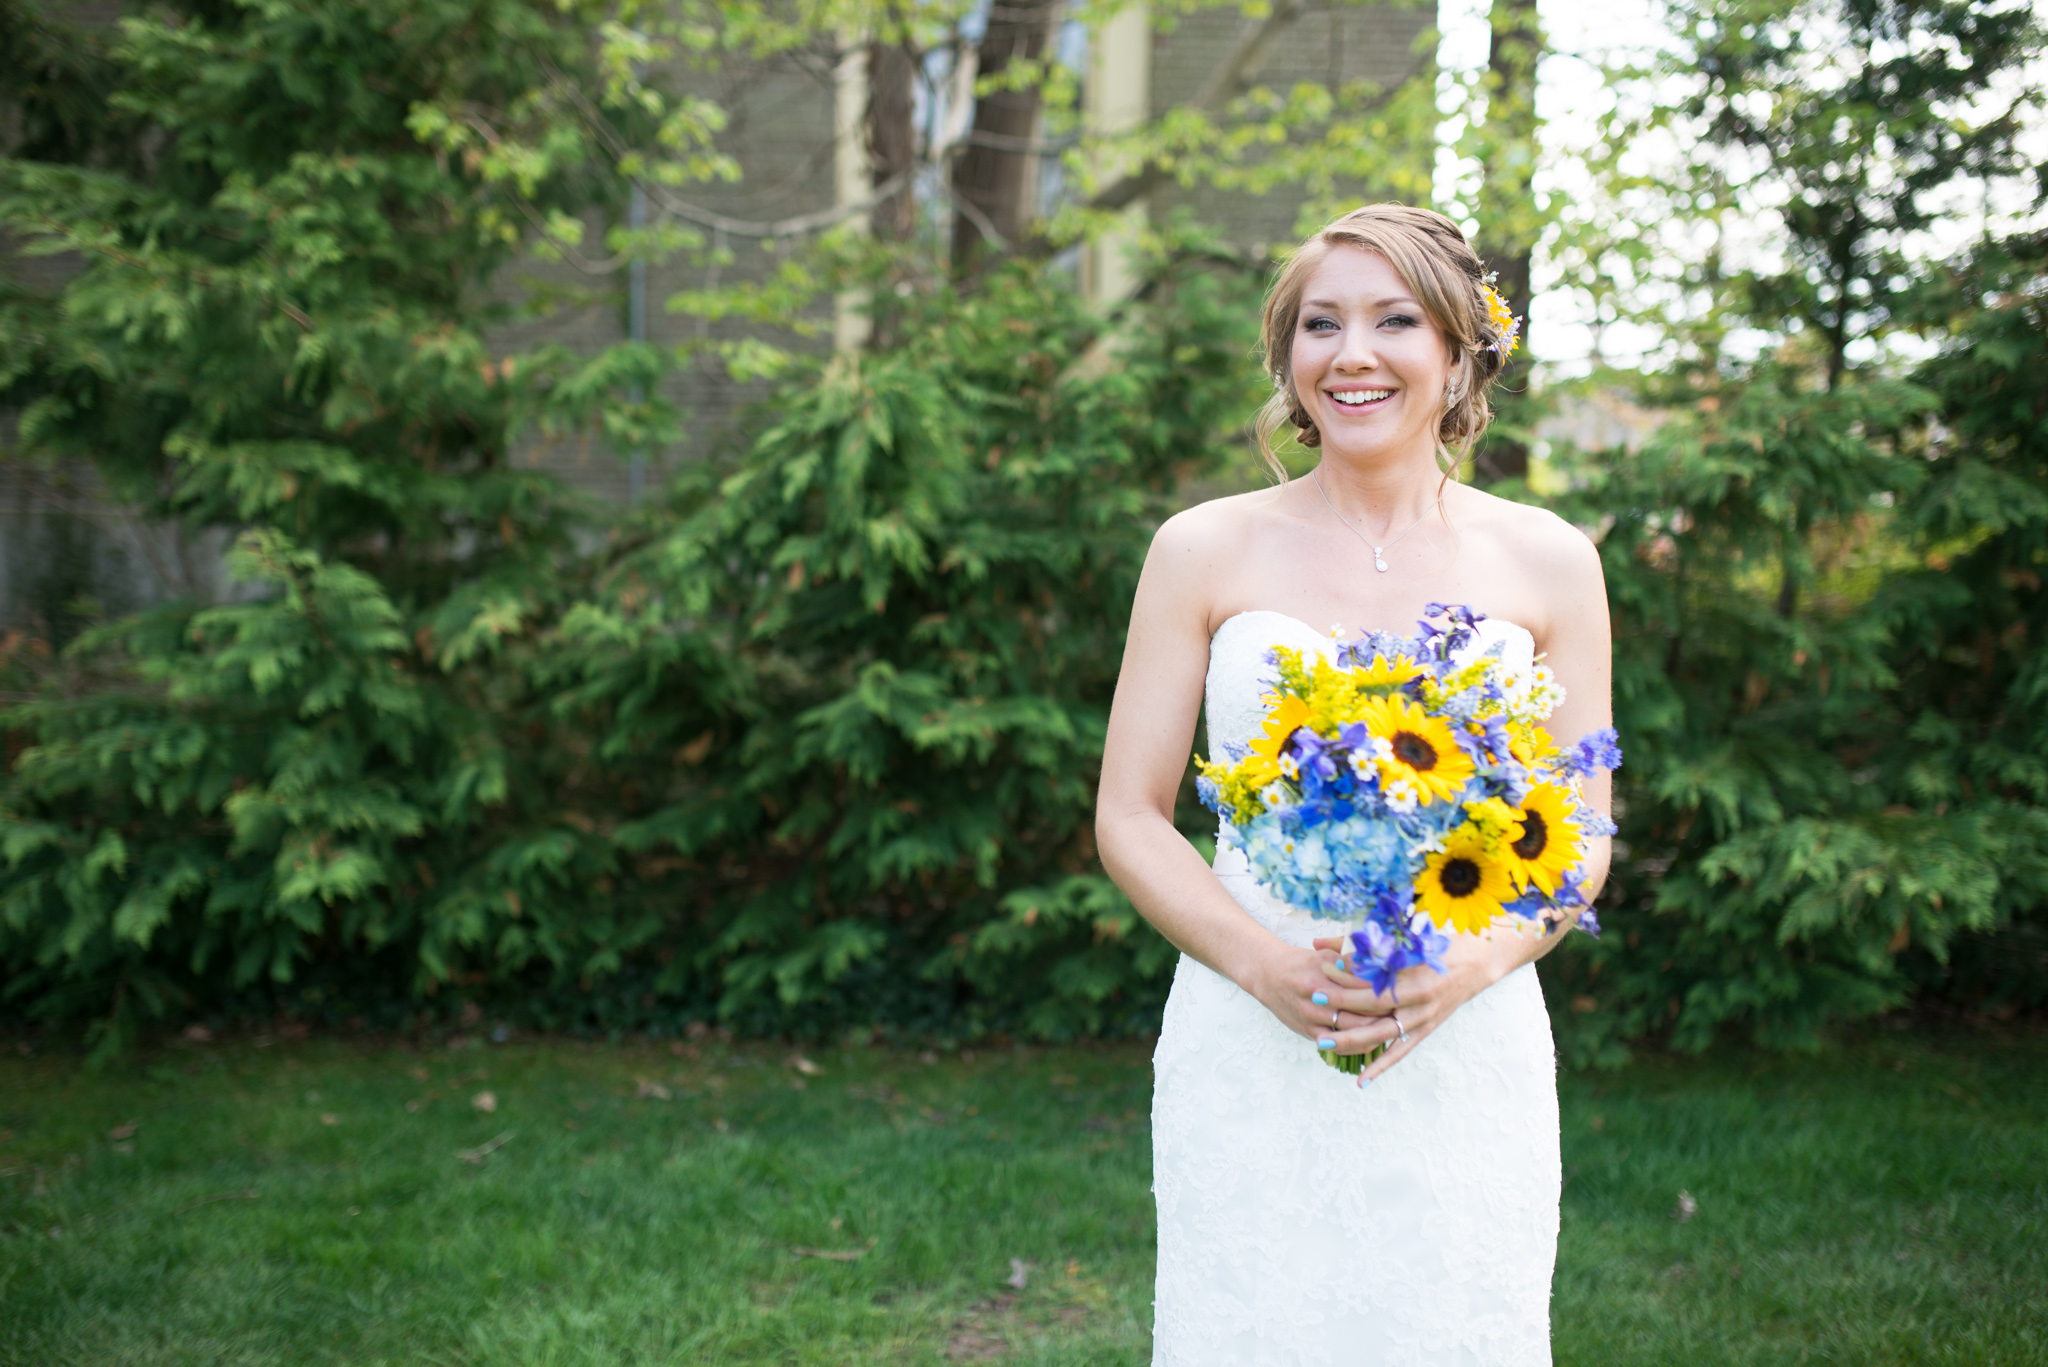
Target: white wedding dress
1305,1222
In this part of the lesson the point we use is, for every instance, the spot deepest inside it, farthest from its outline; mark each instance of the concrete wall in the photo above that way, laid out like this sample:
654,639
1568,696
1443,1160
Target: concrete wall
1334,44
781,132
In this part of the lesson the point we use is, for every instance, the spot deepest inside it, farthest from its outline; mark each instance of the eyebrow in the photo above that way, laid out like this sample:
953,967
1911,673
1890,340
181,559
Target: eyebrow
1378,304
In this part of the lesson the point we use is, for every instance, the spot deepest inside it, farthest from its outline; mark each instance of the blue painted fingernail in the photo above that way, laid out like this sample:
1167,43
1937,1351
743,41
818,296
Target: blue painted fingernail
1326,1043
1363,1082
1319,998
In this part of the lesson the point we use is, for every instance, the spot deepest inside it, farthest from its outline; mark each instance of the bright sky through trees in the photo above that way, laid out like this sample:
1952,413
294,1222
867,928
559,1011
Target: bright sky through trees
1572,96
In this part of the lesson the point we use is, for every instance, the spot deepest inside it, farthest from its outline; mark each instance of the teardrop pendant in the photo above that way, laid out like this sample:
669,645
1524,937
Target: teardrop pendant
1378,563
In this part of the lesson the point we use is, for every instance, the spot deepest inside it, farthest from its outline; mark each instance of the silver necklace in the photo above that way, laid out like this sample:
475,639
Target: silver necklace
1379,553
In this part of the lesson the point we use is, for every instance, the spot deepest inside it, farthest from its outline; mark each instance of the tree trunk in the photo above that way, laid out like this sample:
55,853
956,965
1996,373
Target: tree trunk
892,136
1508,221
990,180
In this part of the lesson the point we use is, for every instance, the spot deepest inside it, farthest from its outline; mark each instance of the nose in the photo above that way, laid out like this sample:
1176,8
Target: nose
1355,353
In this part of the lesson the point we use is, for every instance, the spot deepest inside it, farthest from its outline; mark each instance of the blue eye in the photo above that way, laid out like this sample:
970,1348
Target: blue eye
1403,319
1317,324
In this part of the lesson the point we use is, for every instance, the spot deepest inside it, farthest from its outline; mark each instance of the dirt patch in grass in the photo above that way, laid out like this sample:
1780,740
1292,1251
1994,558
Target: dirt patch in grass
991,1330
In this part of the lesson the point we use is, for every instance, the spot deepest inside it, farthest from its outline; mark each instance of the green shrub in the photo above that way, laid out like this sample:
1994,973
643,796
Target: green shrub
1830,678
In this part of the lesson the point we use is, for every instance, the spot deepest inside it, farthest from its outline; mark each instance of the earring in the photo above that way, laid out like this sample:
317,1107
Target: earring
1450,397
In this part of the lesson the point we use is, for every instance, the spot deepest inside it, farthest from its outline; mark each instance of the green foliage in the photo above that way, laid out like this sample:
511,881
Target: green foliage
821,733
813,740
1825,579
278,325
860,684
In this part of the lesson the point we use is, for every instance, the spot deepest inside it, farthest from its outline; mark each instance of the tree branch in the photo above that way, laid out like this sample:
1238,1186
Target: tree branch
1231,78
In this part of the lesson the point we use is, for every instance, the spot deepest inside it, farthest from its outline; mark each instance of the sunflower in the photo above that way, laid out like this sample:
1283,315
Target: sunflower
1530,743
1424,756
1463,886
1288,717
1383,672
1546,843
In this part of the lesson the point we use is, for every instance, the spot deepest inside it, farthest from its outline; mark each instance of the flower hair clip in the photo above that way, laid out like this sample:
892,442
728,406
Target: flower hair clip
1507,328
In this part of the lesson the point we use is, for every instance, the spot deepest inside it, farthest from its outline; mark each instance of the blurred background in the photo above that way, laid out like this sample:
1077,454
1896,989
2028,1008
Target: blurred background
618,516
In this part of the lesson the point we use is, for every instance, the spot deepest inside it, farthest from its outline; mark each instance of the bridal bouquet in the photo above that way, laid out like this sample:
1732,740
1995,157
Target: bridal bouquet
1411,795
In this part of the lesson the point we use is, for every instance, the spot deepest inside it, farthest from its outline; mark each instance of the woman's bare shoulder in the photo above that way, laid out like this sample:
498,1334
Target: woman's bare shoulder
1534,538
1217,526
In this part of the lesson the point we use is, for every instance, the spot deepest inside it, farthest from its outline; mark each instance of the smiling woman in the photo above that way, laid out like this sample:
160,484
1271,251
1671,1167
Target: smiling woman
1302,1219
1440,328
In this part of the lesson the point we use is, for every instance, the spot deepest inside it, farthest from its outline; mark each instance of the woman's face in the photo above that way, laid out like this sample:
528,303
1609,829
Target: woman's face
1369,365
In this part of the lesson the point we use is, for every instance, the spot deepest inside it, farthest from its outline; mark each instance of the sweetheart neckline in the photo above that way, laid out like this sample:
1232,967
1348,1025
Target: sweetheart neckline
1290,617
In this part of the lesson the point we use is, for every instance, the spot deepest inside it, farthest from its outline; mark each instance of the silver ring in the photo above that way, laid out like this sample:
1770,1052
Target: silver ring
1333,1020
1401,1038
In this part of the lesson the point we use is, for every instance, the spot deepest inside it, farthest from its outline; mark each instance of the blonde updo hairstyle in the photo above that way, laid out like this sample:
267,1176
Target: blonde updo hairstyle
1446,277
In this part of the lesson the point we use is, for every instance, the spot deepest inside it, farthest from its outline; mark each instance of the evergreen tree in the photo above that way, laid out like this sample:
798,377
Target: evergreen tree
1808,792
821,728
276,324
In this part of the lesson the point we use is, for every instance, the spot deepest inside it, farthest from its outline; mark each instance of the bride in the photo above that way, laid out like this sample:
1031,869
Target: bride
1308,1219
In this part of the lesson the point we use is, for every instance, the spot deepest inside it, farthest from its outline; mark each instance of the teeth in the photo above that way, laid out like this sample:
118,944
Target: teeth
1355,397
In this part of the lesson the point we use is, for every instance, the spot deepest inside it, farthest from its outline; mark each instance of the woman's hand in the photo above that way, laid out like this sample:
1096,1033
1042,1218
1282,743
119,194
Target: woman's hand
1297,986
1423,999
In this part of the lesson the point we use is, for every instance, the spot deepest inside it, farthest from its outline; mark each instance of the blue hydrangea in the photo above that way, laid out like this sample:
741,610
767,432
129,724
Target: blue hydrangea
1335,846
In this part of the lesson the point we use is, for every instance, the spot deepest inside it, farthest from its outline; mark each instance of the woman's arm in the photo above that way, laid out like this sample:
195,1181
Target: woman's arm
1145,755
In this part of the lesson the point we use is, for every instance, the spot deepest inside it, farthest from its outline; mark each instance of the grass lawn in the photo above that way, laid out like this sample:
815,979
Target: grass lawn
328,1201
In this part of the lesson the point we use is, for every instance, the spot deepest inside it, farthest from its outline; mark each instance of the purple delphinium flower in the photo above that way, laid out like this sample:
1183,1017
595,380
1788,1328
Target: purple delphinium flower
1391,941
1444,642
1598,750
1371,960
1313,754
1490,746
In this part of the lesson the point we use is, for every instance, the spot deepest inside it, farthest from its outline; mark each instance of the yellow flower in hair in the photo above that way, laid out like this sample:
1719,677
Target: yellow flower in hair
1506,327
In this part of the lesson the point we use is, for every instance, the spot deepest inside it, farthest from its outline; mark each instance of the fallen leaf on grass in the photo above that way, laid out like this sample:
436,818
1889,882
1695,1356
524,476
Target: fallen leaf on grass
482,1151
1019,1273
1686,1208
485,1101
804,1065
837,1255
123,1131
652,1091
198,1034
